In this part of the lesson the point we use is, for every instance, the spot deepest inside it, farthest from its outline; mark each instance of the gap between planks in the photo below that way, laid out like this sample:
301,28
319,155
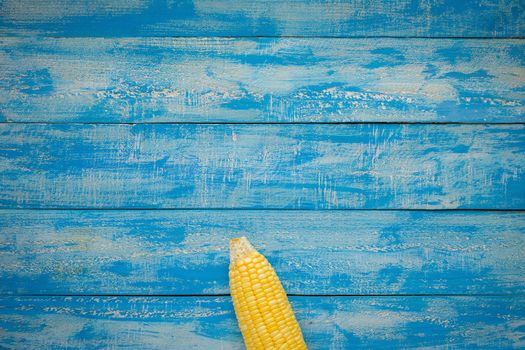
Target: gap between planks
514,210
273,37
112,295
265,123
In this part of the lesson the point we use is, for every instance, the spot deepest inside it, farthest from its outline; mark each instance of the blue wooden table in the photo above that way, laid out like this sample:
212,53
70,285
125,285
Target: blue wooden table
372,150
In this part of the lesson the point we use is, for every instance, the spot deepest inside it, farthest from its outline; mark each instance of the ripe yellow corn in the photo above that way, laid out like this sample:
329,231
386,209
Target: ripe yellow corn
265,316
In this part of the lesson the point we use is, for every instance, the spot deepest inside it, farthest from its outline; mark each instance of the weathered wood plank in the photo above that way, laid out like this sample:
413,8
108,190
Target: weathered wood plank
261,80
488,18
262,166
209,323
314,252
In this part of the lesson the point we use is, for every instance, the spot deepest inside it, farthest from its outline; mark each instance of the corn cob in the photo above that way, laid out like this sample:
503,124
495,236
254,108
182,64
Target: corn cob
264,314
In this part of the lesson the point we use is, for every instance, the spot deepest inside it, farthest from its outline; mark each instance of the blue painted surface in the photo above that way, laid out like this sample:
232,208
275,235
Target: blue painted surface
333,18
261,80
400,278
208,322
314,252
372,166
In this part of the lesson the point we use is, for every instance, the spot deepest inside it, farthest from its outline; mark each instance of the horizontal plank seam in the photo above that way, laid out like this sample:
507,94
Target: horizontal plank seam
7,35
264,123
111,295
513,210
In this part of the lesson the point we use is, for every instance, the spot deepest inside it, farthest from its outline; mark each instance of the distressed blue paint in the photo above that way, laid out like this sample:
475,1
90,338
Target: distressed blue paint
261,80
314,252
209,322
489,18
127,77
262,166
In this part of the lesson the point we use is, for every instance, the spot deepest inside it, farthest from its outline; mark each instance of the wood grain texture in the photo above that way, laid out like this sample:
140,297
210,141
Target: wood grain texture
261,80
314,252
262,166
72,71
209,323
488,18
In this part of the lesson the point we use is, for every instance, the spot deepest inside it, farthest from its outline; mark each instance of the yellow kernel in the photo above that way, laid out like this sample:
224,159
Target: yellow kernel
265,317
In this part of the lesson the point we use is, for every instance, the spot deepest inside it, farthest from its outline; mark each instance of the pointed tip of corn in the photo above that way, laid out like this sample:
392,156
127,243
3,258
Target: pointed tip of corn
240,248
